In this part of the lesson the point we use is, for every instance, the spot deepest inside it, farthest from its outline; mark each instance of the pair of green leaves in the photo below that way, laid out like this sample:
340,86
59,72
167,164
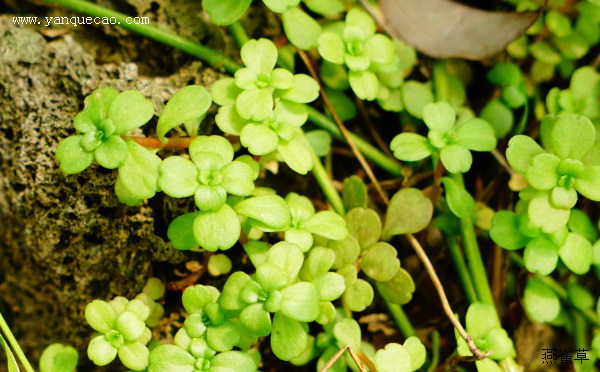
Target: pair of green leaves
265,106
274,290
569,164
120,323
453,143
108,114
355,44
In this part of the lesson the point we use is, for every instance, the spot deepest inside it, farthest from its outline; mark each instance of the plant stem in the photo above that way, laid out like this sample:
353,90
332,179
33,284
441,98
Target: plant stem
239,33
471,247
461,268
15,345
212,57
477,353
435,351
401,319
326,186
370,152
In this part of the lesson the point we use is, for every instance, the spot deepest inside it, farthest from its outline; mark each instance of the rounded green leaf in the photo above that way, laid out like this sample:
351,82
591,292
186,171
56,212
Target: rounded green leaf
379,49
301,29
302,238
189,103
256,320
170,358
380,262
354,193
480,319
409,212
217,229
330,286
364,84
318,263
521,151
498,341
347,332
477,135
439,116
229,121
259,139
331,47
259,55
399,289
296,155
346,251
359,18
219,264
130,326
410,147
572,136
268,212
100,316
130,110
288,257
255,104
271,277
543,215
112,152
327,224
139,173
235,360
288,337
225,12
499,116
134,356
358,296
300,302
417,352
588,184
393,358
580,223
195,298
304,90
364,224
181,231
224,92
101,351
71,156
459,200
210,198
505,230
541,303
415,96
223,337
212,144
178,177
59,358
320,141
456,158
238,178
577,254
230,298
540,256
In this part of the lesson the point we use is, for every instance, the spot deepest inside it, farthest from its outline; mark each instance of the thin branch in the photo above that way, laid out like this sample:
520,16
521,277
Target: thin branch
502,161
357,153
337,356
477,353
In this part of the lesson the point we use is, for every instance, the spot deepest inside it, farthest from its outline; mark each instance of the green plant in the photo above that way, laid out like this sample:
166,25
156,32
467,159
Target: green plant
313,267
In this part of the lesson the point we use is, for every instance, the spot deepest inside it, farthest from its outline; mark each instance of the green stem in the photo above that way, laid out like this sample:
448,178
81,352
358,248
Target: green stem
440,80
588,314
461,268
401,319
239,33
370,152
471,247
214,58
326,186
580,330
435,351
15,345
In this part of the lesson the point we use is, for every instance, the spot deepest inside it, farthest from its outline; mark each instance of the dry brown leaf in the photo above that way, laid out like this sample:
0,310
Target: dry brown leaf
378,322
445,29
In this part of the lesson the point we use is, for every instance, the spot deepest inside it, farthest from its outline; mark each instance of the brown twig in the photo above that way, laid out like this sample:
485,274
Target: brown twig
477,353
337,356
191,278
153,142
336,118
